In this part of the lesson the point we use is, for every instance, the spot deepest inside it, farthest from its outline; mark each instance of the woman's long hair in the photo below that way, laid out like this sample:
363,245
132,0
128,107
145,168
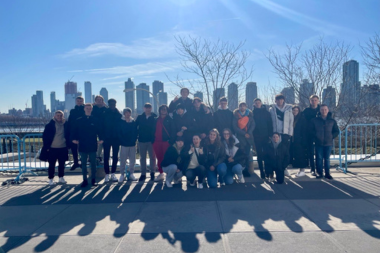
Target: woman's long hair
231,140
217,142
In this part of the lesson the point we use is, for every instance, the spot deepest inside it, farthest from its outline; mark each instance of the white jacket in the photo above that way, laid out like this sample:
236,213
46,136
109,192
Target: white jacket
287,127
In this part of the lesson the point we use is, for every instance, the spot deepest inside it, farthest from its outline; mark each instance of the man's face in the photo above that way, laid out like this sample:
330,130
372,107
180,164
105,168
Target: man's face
88,110
163,111
99,101
314,102
180,111
223,104
324,111
79,102
112,105
276,138
184,93
243,108
257,104
127,114
197,103
58,117
147,110
280,102
179,144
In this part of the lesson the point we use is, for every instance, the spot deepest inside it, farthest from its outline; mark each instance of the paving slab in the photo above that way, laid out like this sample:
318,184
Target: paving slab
358,241
8,243
23,221
172,243
263,216
161,217
342,214
110,219
375,201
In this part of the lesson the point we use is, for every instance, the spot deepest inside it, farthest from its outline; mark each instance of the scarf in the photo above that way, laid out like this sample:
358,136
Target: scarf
243,120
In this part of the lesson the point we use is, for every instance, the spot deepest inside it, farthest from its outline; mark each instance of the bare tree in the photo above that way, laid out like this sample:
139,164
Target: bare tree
215,64
371,58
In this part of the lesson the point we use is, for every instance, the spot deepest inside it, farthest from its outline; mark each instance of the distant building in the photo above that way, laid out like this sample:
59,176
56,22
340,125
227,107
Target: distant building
70,88
329,97
70,101
104,93
199,95
52,102
370,97
93,98
217,94
157,86
290,97
305,91
88,92
142,97
130,95
350,89
250,94
162,98
38,107
233,96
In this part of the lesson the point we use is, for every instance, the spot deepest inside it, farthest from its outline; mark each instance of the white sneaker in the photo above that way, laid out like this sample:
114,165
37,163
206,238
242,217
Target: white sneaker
168,184
159,178
271,179
200,186
113,177
107,178
286,172
132,177
121,179
241,179
52,182
62,180
301,174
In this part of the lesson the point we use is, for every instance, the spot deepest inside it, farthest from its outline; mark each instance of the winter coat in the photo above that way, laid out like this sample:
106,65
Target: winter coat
186,157
215,155
87,131
276,158
48,137
168,130
128,133
309,113
203,122
186,121
146,127
223,119
98,112
240,133
299,142
264,125
171,157
288,120
324,131
110,124
237,154
188,103
75,113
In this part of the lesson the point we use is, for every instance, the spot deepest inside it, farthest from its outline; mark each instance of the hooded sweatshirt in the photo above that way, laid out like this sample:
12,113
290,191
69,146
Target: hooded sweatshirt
59,140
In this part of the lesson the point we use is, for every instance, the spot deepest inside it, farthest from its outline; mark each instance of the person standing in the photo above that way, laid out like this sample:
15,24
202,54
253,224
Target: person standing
262,132
98,110
298,145
146,128
276,158
184,100
324,129
111,124
223,117
55,147
86,133
282,121
127,137
75,113
172,164
183,124
202,117
310,113
164,137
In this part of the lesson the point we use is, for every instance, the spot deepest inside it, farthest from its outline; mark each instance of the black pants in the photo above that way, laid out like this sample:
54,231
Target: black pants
280,176
199,172
285,138
311,153
115,153
74,151
260,142
55,154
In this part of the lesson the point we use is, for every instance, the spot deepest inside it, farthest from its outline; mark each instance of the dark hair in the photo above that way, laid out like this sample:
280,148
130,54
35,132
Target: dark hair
296,106
313,96
111,100
127,110
231,140
217,140
223,99
147,105
322,105
184,89
242,103
256,99
279,96
180,106
99,96
162,107
79,97
276,133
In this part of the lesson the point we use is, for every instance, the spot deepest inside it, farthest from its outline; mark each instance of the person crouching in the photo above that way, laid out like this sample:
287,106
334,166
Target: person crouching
276,158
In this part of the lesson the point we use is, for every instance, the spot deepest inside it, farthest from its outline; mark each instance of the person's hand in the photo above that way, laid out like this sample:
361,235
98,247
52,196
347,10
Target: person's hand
176,98
230,159
212,168
201,151
184,128
192,149
75,142
100,142
247,136
179,133
203,136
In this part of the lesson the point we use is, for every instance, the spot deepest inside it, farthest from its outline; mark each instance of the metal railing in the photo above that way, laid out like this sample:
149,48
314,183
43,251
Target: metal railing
10,155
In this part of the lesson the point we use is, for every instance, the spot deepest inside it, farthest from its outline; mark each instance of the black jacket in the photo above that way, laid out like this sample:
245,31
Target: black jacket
146,127
263,123
203,122
299,142
186,121
110,124
87,130
276,159
215,155
239,158
223,119
310,113
324,131
48,137
168,131
188,103
128,133
98,112
186,157
75,113
171,157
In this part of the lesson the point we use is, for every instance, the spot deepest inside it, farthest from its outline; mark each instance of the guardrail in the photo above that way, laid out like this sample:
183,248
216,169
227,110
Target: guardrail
9,157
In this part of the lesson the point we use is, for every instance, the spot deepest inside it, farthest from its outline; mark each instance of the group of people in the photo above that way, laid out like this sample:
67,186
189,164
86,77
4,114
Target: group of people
187,139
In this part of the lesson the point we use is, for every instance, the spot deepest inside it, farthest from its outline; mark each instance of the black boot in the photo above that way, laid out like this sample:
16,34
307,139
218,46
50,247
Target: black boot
142,178
93,182
152,176
75,165
246,173
84,183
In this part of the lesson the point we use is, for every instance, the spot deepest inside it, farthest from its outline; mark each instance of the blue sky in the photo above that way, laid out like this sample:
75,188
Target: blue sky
44,43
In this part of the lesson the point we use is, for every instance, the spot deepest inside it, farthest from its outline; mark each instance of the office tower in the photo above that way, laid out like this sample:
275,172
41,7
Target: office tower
93,98
250,94
157,86
199,94
370,99
290,97
162,98
34,106
329,97
142,97
53,101
217,94
130,95
38,107
104,93
70,88
233,96
305,91
350,90
88,92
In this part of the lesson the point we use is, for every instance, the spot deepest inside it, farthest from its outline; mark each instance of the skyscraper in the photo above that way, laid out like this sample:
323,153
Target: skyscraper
288,92
130,95
70,88
233,96
34,106
157,86
104,93
88,92
350,90
71,93
305,91
38,106
199,95
250,94
162,98
217,94
370,98
329,97
142,97
53,101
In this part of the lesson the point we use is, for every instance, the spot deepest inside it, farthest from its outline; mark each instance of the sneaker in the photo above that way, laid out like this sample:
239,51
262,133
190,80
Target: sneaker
286,172
142,178
132,177
84,184
107,178
168,184
328,176
270,179
62,180
200,186
93,182
301,174
159,178
152,176
241,179
121,179
52,182
113,177
75,165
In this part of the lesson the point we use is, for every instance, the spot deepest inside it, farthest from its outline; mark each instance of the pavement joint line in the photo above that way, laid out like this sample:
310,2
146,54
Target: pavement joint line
226,244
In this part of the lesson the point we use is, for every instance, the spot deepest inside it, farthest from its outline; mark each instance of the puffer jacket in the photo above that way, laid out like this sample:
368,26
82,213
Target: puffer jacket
288,120
324,131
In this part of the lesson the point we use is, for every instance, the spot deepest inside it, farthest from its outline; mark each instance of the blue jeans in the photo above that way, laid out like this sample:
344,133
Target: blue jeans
236,169
83,158
323,153
212,176
199,172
